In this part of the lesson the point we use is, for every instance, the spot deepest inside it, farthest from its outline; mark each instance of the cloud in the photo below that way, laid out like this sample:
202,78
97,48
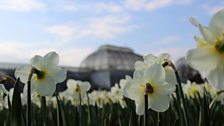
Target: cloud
152,4
74,56
102,27
21,5
15,52
109,7
212,9
169,40
107,27
96,7
65,32
69,6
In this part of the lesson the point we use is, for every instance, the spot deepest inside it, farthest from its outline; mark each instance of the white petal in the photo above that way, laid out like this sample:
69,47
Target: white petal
166,89
132,91
155,72
86,86
139,65
207,34
194,22
2,88
46,87
140,107
128,77
58,74
138,76
159,103
203,58
199,39
216,24
215,77
36,61
71,83
170,75
51,59
23,73
161,59
150,58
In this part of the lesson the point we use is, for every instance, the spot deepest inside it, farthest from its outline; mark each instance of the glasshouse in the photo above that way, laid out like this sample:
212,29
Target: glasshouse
114,85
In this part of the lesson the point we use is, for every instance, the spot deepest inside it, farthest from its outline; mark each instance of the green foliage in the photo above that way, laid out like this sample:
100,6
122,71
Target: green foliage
200,111
16,111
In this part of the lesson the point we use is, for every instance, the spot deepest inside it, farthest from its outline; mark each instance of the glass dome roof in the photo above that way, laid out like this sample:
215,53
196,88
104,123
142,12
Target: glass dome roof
109,57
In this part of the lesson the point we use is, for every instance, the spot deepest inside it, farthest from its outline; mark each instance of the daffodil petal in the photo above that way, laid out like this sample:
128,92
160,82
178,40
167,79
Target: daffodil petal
207,34
71,83
58,74
138,76
2,88
51,59
159,103
86,86
46,87
139,65
216,24
140,106
36,61
215,77
203,58
194,21
150,58
161,59
170,75
132,91
23,73
155,72
166,89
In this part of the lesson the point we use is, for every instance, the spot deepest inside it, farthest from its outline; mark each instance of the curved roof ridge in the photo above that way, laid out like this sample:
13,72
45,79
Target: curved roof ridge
109,57
115,48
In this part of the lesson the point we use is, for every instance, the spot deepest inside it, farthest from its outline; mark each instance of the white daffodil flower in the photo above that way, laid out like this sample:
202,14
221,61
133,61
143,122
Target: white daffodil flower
209,56
78,90
123,82
46,73
193,90
151,82
211,90
151,59
3,102
99,98
117,95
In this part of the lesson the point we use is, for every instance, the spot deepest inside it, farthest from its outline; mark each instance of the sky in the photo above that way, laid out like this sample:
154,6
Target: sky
76,28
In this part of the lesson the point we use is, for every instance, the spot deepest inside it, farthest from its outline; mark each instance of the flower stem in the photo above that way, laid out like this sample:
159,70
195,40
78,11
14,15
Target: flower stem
179,90
80,110
89,114
59,117
159,119
146,108
29,119
29,109
182,97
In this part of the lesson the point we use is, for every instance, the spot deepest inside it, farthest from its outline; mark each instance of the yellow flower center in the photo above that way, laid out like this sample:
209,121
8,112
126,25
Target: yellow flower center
201,44
40,74
77,89
149,89
219,45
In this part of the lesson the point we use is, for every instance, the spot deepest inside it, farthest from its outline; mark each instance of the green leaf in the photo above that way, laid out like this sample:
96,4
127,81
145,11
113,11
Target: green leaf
16,115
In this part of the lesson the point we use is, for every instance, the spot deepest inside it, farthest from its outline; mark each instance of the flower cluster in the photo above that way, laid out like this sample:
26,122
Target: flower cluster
43,72
208,57
153,79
